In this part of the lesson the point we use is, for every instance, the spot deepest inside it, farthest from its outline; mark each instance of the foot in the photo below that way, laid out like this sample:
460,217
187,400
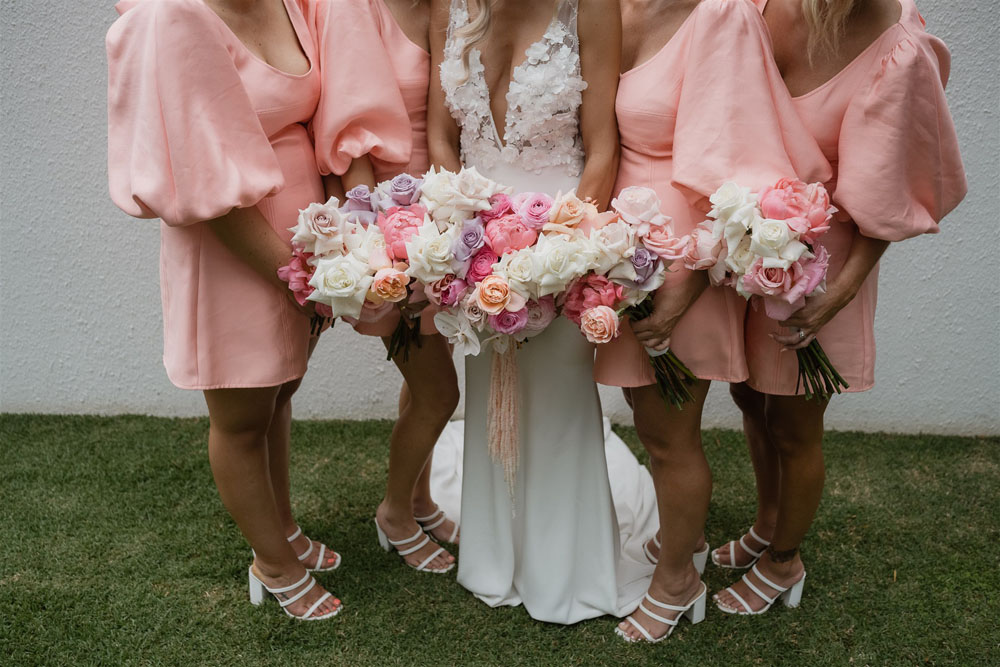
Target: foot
273,578
653,547
329,560
678,593
398,528
781,574
736,555
429,514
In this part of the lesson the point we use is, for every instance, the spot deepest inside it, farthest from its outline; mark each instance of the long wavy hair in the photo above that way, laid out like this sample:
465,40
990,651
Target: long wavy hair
827,20
475,31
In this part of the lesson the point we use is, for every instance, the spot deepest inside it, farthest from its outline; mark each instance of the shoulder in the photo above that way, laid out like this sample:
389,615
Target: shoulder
174,19
729,12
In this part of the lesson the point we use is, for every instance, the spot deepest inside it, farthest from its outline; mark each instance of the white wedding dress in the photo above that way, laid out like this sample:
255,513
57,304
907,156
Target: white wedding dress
570,547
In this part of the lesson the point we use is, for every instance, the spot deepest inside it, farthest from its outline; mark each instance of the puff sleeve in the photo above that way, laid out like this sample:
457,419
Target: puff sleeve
361,109
735,118
899,169
184,142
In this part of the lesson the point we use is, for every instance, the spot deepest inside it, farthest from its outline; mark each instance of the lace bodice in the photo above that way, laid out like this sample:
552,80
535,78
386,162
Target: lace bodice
542,126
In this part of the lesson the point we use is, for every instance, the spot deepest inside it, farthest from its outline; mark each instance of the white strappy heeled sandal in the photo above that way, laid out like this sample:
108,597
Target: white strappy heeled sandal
791,596
322,553
258,588
403,550
429,523
700,558
694,610
742,545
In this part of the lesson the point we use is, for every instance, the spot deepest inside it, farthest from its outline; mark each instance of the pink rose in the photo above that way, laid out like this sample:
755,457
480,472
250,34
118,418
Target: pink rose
436,289
770,281
398,224
661,241
541,313
533,208
599,324
589,292
500,206
454,292
481,266
297,274
509,233
509,322
704,252
805,276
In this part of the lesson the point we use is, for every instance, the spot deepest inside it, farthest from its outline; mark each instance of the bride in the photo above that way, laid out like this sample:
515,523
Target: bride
548,70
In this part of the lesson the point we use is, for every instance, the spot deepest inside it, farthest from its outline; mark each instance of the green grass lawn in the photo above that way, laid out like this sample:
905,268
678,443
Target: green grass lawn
115,550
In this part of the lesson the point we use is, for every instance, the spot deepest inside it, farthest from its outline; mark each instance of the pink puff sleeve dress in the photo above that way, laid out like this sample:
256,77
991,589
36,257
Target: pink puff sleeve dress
389,124
198,126
883,122
709,107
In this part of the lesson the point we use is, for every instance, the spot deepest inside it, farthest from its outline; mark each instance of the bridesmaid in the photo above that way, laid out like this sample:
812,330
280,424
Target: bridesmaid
869,84
206,105
700,103
370,127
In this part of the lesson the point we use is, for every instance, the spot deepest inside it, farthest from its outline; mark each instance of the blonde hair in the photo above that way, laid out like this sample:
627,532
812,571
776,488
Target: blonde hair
474,32
826,20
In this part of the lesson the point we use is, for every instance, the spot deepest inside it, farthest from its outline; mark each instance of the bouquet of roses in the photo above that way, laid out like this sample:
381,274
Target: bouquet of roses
635,246
765,245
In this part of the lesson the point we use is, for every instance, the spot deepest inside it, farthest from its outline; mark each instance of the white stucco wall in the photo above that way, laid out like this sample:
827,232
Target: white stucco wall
79,302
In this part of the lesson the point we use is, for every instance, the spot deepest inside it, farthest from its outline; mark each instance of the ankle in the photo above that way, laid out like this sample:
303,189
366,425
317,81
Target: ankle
390,514
764,527
783,567
678,585
272,571
424,506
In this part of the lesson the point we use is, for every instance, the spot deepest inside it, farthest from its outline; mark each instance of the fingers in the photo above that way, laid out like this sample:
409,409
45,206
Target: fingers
793,341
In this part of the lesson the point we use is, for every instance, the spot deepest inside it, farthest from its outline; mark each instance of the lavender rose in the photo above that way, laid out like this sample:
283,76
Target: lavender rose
644,262
404,189
471,239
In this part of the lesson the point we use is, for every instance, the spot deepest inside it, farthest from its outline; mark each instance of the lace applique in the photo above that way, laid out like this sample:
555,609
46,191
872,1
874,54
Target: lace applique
542,127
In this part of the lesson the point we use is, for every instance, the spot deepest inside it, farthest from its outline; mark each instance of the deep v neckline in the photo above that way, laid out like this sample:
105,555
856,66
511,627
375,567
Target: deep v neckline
501,141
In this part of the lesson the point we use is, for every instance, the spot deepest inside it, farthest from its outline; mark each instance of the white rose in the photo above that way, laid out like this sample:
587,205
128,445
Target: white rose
611,242
320,228
740,260
768,238
737,226
341,282
559,260
474,313
518,268
731,199
429,253
788,256
639,207
459,332
451,198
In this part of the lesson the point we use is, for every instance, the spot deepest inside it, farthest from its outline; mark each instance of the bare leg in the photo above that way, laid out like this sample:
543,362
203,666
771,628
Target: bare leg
795,430
433,388
683,484
238,452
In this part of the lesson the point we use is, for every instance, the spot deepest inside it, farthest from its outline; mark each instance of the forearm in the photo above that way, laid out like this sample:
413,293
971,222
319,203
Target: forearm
249,236
334,187
676,297
444,155
599,174
864,254
361,172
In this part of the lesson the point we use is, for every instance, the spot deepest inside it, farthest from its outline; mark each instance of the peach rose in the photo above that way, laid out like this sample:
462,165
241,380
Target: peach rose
662,241
493,294
599,324
390,285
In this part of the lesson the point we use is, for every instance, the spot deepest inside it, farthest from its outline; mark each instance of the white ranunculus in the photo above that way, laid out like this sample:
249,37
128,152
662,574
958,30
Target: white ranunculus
320,228
611,243
366,244
429,253
559,260
518,268
458,331
790,254
341,282
452,198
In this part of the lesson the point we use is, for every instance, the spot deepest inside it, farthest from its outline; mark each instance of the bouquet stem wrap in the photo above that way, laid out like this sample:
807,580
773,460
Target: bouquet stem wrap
503,415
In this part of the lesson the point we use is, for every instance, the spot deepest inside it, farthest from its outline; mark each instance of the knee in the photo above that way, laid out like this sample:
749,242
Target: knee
664,443
286,392
748,400
791,437
439,399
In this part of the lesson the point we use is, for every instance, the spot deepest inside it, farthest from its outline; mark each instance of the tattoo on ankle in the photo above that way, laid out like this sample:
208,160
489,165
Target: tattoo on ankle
782,556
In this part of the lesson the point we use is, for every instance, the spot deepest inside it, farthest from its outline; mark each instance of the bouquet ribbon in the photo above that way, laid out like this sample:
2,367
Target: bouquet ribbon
503,416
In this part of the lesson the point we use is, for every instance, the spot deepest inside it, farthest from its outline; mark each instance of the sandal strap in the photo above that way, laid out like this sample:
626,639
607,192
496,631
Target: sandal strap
323,598
298,596
743,545
399,543
294,536
757,537
322,552
739,599
656,617
305,554
766,581
410,550
454,533
664,605
426,562
285,589
656,540
649,554
757,591
437,512
431,526
642,630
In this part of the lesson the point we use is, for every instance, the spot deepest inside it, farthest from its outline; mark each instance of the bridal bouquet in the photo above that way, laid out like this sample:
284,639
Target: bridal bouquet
765,245
635,246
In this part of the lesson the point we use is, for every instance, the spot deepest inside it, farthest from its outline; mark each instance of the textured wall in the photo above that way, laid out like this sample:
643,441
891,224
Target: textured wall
80,316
